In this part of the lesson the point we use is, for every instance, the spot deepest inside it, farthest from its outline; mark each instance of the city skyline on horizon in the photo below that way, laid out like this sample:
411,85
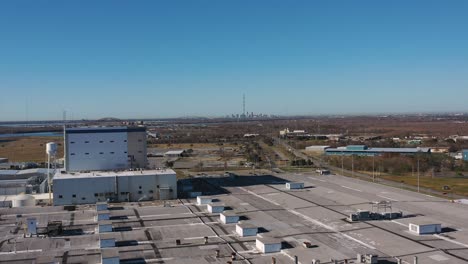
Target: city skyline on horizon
168,59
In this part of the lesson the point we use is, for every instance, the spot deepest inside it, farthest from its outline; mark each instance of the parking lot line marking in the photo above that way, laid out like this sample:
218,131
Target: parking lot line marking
385,197
451,240
357,190
314,221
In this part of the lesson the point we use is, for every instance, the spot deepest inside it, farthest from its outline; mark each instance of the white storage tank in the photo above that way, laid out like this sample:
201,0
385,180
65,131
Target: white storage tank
246,229
268,244
215,208
51,148
425,228
294,185
201,200
228,218
23,200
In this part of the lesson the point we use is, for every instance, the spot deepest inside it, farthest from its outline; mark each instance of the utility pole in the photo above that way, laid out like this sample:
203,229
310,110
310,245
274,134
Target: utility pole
352,165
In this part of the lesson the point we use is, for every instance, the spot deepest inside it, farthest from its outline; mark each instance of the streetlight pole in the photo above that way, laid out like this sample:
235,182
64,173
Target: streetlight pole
373,168
342,164
418,173
352,164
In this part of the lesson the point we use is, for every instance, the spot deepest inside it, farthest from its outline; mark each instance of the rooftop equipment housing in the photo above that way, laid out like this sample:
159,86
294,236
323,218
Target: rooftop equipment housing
268,244
425,228
246,229
106,240
103,215
201,200
104,226
101,206
110,256
228,218
294,185
215,208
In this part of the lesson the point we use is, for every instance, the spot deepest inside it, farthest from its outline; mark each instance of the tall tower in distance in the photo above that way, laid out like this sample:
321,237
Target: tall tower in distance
243,107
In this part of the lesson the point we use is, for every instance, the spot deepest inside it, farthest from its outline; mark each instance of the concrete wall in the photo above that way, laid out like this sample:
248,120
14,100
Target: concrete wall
89,190
137,149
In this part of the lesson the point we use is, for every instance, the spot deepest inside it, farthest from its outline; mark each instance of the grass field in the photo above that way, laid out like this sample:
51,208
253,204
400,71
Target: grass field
28,148
458,185
189,146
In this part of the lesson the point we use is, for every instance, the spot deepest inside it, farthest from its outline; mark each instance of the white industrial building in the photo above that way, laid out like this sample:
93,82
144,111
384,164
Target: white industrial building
105,148
100,186
316,148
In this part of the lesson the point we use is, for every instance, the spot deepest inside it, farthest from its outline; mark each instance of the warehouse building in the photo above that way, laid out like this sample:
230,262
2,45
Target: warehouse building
119,186
105,148
465,154
320,149
363,150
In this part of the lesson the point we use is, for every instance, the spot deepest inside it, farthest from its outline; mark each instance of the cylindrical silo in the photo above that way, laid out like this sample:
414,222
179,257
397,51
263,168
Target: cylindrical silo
23,200
51,148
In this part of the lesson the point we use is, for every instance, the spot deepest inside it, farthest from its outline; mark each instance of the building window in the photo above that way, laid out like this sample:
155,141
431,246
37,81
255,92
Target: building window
139,151
72,142
72,154
82,198
140,140
101,153
100,141
96,195
86,142
125,152
150,191
111,152
125,140
60,196
86,153
139,187
74,195
112,141
140,192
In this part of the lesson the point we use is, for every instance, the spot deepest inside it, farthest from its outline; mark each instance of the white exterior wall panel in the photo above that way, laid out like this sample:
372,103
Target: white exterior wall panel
132,187
96,151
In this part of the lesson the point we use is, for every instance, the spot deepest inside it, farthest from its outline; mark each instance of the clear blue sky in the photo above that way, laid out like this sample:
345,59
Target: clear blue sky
141,59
